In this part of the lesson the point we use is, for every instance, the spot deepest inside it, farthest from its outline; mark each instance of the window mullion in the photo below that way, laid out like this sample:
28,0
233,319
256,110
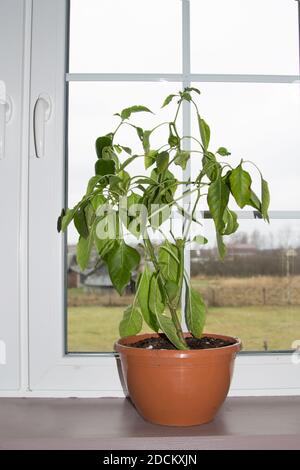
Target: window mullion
186,125
124,77
186,76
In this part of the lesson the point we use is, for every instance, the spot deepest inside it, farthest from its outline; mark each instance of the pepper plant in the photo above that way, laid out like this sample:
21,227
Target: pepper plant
116,202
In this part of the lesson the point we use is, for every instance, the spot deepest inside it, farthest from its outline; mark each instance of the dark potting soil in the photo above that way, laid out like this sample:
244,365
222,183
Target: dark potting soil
162,342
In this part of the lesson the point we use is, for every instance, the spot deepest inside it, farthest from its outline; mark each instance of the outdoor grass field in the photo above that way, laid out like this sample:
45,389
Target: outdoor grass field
95,328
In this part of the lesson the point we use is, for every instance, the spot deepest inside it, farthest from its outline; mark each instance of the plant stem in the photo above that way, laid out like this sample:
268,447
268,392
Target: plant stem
114,133
173,310
181,272
176,115
192,216
192,138
159,125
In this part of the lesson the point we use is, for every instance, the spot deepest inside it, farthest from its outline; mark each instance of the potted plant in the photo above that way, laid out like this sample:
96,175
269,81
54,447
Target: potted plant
173,377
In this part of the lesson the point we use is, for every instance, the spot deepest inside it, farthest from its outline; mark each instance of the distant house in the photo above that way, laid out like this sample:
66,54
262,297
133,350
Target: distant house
93,279
98,280
73,276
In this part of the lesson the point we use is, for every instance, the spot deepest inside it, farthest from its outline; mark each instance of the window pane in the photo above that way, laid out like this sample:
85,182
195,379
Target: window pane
235,36
255,293
125,36
258,122
94,307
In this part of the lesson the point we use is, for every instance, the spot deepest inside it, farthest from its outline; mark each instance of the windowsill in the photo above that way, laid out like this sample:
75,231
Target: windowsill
113,423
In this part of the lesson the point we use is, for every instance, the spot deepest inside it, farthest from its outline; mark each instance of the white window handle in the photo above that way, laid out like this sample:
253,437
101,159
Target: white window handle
5,116
41,114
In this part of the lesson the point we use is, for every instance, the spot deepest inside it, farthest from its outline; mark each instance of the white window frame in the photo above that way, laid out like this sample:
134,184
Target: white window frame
44,368
13,175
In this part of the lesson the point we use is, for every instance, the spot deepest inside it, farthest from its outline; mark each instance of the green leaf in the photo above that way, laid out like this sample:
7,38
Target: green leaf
68,217
146,141
204,132
140,133
193,89
114,184
185,96
120,183
121,261
125,177
217,198
254,201
143,290
156,301
240,185
195,312
150,158
172,289
98,200
92,184
127,162
133,198
230,221
265,199
168,100
104,245
145,180
155,175
80,223
109,154
89,214
169,262
84,248
210,167
159,217
181,158
101,143
221,245
105,167
124,208
223,152
162,161
132,322
167,326
107,223
173,140
117,148
60,219
126,149
126,113
200,239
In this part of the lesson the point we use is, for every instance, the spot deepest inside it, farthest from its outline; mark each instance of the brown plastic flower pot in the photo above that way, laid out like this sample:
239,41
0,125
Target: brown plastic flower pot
177,388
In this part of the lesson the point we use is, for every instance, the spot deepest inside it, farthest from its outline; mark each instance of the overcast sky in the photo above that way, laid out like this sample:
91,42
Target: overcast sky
254,121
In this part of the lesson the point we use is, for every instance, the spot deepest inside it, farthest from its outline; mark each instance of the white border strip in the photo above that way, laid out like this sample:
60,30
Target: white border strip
23,235
180,77
275,375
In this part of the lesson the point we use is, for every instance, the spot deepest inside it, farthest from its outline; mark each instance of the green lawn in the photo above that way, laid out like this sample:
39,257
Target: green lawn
94,328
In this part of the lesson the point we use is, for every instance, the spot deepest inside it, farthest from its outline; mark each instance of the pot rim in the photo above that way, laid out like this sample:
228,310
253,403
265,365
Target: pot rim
121,345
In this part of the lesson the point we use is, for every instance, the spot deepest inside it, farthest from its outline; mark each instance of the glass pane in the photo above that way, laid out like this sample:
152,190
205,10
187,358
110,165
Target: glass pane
258,122
125,36
235,36
255,293
94,307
